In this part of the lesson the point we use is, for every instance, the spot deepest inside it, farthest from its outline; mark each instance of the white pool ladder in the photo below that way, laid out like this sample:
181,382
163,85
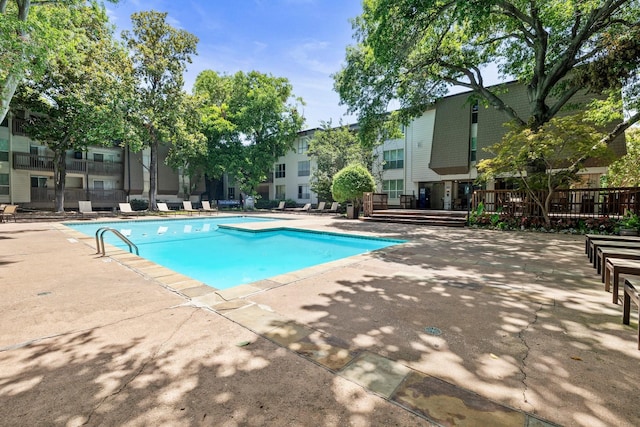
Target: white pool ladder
100,240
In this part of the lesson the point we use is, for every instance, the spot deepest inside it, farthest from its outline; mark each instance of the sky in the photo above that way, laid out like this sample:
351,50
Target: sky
302,40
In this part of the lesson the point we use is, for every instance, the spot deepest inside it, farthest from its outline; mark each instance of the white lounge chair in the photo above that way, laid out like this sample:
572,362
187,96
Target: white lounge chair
280,207
84,206
319,209
305,208
126,210
186,205
164,209
333,208
206,207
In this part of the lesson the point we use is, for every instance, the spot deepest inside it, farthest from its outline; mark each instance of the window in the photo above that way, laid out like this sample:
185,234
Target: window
393,187
98,185
38,182
4,150
281,192
474,148
393,159
232,193
303,191
280,170
4,184
474,113
304,168
303,145
97,157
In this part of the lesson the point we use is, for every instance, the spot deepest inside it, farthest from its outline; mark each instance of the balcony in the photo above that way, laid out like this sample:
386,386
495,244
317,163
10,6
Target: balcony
35,162
43,198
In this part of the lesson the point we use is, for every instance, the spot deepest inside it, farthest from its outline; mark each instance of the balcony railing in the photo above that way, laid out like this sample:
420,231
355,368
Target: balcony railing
100,199
45,163
571,203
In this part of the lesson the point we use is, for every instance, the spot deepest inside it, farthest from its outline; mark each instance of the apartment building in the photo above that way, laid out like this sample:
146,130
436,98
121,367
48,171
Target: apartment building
435,159
292,174
105,175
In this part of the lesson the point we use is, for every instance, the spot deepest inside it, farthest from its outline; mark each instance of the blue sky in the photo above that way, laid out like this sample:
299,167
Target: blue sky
302,40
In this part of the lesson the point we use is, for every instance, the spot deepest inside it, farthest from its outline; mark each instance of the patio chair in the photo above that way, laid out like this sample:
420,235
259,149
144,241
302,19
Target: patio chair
164,209
206,207
186,205
319,209
84,206
305,208
333,208
8,212
280,207
126,210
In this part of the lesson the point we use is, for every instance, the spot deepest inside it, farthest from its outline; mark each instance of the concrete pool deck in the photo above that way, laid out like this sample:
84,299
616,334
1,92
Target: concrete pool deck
454,327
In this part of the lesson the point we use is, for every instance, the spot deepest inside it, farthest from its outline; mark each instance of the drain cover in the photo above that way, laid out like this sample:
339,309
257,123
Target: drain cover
432,330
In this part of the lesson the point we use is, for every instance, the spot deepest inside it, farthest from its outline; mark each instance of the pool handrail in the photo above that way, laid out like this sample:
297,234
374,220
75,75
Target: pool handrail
100,240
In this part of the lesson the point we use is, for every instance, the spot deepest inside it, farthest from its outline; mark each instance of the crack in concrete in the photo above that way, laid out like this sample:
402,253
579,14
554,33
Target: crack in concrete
141,369
523,365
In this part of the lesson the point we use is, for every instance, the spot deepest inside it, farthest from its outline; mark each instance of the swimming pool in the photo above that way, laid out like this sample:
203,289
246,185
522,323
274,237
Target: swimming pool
212,251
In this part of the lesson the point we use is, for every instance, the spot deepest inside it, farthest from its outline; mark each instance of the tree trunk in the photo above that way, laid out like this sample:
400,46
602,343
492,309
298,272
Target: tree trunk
59,174
13,79
153,175
8,90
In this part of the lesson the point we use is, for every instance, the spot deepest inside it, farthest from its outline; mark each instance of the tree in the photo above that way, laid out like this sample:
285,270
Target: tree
160,54
80,101
560,142
412,51
189,144
625,171
26,40
334,149
350,183
249,122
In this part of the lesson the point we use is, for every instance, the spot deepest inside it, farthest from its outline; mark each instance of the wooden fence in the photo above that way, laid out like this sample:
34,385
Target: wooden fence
569,203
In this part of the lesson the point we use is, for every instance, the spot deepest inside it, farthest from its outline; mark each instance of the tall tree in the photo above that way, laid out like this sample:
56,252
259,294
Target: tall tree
80,101
250,119
333,148
160,54
26,39
412,51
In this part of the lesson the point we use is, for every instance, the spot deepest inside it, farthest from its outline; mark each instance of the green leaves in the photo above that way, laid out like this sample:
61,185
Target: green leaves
410,51
250,120
350,182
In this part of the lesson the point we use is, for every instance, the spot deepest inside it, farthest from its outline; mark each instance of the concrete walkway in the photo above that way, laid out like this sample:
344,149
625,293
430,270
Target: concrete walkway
455,327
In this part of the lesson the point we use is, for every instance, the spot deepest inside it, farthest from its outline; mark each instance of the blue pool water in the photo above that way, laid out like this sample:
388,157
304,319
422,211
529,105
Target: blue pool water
208,250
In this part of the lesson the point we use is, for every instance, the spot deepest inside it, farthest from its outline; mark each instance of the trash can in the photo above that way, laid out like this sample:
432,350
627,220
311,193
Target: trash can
249,203
351,211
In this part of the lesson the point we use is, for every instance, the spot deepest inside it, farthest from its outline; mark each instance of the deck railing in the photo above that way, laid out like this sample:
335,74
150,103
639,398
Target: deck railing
569,203
35,162
100,199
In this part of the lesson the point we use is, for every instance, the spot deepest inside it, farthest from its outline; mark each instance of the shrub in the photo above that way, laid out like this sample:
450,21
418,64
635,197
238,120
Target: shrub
349,184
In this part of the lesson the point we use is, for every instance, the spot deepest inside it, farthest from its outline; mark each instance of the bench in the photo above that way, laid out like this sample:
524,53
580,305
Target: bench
613,268
607,252
630,293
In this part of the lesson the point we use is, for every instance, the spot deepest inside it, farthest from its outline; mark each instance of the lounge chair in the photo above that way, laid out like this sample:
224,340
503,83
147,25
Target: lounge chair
280,207
84,206
186,205
333,208
164,209
305,208
206,207
319,209
125,210
8,212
